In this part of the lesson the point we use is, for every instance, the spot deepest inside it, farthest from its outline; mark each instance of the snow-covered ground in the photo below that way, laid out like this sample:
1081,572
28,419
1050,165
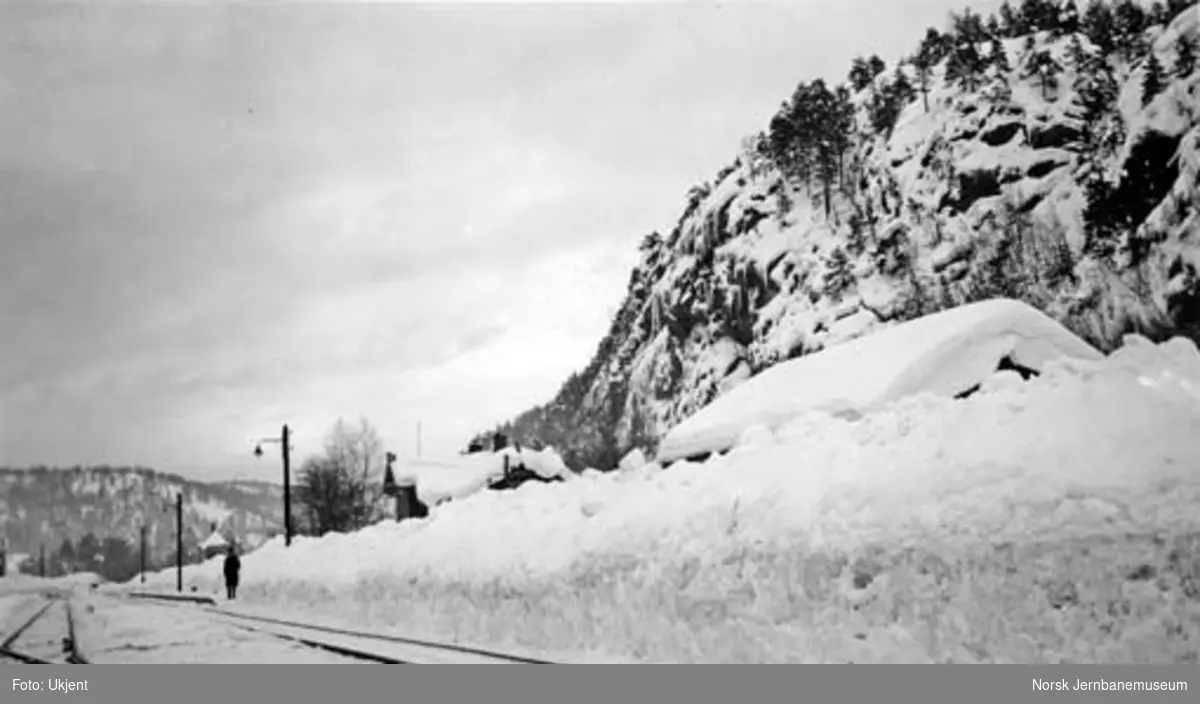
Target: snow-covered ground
110,631
120,632
1042,521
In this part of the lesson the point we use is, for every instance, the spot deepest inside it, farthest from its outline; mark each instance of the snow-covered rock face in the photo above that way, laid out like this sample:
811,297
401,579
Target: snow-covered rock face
981,195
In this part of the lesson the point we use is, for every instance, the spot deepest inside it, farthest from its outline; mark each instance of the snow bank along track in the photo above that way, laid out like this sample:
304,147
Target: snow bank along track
45,638
361,645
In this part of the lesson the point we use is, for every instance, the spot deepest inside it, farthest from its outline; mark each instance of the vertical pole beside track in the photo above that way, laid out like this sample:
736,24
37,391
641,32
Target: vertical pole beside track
179,542
143,560
287,490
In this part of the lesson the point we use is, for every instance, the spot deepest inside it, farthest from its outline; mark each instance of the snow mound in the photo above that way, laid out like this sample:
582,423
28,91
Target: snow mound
1084,449
944,354
931,488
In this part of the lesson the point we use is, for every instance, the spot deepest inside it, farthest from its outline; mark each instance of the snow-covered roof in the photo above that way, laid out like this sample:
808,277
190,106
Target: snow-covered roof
216,540
455,477
944,353
633,460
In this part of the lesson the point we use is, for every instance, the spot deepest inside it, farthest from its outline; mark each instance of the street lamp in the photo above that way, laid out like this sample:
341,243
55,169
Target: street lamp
282,440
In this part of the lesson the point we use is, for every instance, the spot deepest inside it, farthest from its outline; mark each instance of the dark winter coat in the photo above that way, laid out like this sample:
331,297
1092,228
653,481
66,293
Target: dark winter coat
232,566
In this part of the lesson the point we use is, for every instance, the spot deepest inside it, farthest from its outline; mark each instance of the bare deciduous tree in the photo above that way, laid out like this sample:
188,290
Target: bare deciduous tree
337,491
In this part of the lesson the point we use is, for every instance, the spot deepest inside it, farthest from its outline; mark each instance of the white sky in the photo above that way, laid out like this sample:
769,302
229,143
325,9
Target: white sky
219,217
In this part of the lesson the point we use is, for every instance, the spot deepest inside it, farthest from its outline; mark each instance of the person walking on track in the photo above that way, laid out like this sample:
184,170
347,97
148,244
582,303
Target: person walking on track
232,566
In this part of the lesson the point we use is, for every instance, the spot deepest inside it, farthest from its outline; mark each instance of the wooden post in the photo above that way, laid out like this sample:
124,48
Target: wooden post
179,542
143,541
287,490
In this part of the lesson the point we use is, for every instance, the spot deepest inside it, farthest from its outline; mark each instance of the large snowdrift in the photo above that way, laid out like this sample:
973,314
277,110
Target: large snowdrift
1015,525
944,353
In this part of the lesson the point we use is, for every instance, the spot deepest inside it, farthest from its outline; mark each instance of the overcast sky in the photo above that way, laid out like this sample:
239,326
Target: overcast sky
217,218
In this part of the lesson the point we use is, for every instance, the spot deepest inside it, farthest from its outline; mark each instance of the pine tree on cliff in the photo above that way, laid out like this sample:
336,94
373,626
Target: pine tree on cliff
965,66
1028,48
860,74
1052,18
1011,22
902,88
1045,68
922,66
993,28
1158,13
996,88
839,274
876,65
1096,86
887,103
935,45
968,27
1185,56
1153,80
1070,17
802,141
998,57
1029,13
1130,25
1039,15
781,138
824,115
1099,25
842,126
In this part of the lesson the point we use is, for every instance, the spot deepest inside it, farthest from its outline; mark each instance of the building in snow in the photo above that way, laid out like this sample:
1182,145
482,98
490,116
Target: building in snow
949,353
215,544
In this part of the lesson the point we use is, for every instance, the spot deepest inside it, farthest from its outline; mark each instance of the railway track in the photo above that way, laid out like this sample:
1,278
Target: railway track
371,646
358,645
45,638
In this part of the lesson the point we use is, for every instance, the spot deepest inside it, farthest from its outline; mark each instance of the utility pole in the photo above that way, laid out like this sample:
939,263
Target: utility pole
285,441
143,541
42,561
179,542
287,490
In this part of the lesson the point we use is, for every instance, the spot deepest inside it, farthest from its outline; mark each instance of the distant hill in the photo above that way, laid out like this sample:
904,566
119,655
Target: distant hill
45,507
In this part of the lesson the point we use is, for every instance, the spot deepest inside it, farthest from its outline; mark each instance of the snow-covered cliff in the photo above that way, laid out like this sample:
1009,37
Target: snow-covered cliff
1052,169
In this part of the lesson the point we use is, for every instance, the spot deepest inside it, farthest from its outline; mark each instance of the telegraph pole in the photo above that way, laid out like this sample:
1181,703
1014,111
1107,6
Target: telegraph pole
287,490
42,561
143,541
179,542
